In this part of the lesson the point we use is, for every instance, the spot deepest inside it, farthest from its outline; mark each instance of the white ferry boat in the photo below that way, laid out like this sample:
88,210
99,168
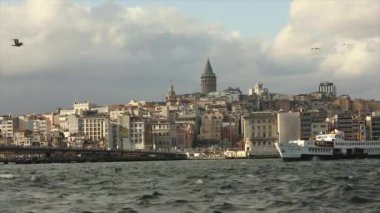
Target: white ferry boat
329,147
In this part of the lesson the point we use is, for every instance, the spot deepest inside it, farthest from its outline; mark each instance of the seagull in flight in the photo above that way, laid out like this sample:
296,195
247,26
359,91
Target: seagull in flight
17,43
316,48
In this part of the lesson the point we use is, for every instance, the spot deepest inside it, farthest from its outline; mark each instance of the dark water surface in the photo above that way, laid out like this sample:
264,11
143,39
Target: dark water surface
193,186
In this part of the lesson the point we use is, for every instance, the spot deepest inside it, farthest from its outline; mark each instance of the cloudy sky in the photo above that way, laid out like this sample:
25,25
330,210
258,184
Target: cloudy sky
110,52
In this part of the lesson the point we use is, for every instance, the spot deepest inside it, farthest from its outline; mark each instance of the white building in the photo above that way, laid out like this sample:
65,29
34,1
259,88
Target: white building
8,125
96,128
42,125
63,121
75,124
79,108
289,126
260,134
258,89
139,131
318,127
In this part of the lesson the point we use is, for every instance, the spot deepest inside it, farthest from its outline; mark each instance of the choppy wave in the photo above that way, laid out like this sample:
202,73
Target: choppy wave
268,185
7,176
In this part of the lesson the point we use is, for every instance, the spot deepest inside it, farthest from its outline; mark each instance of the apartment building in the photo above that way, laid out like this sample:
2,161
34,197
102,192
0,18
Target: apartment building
373,126
211,126
8,125
163,135
260,133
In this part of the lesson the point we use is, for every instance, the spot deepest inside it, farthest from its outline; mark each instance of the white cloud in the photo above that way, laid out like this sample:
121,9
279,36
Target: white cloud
347,33
128,52
353,59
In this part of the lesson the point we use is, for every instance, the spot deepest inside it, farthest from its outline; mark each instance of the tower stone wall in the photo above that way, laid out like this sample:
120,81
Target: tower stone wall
208,79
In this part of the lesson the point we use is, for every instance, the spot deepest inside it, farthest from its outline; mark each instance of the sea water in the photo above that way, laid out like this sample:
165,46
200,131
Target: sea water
250,185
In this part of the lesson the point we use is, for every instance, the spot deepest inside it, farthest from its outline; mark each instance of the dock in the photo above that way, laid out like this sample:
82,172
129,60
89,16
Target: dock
27,155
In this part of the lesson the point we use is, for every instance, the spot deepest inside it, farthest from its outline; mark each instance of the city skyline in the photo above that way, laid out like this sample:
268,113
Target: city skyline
110,52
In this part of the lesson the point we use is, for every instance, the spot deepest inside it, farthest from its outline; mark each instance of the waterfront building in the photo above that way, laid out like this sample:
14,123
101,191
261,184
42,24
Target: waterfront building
288,126
210,130
140,132
22,138
306,119
208,79
42,125
35,123
359,126
344,122
97,128
113,140
373,126
328,88
188,121
163,135
53,119
77,140
260,133
25,122
75,124
184,135
63,121
230,132
318,127
8,124
134,131
123,123
57,139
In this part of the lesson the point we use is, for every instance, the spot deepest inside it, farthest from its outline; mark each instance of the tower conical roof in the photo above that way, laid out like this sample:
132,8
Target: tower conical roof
208,69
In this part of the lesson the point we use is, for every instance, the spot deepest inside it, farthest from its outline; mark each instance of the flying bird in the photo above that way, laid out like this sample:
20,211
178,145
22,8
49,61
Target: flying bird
316,48
17,43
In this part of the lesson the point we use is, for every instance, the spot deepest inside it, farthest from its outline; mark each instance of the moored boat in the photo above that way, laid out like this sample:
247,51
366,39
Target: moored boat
328,147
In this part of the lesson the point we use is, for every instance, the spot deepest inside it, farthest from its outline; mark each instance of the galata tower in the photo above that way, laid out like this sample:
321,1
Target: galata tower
208,79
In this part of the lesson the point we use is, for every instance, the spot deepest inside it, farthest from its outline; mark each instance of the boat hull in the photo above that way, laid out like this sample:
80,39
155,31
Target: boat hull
308,157
294,152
